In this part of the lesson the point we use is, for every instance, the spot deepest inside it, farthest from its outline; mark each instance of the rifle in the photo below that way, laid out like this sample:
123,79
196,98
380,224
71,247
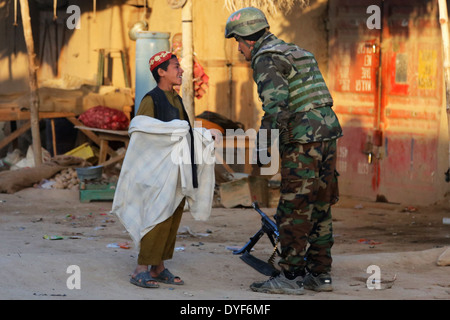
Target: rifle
270,228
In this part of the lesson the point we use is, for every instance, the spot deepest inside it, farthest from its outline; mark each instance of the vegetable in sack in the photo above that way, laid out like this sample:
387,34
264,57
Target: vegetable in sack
102,117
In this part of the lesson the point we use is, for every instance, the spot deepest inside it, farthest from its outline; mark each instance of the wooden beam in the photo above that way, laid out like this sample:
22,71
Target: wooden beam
113,160
13,113
14,135
90,134
32,71
443,19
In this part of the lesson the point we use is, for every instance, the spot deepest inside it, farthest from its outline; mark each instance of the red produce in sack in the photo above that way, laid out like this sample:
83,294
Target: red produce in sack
102,117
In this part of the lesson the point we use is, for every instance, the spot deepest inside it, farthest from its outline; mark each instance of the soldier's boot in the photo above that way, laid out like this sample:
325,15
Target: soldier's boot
280,285
318,282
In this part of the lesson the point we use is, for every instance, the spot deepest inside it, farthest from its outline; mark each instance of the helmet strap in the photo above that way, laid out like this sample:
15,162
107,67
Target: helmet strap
240,39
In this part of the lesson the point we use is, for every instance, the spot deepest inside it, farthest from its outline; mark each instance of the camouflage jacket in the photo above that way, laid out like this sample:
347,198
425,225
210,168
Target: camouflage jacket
293,92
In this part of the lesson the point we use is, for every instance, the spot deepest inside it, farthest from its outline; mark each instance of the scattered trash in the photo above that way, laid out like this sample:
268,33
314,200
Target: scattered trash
185,230
28,161
47,237
177,249
233,248
379,284
11,159
444,258
359,206
37,220
409,209
116,245
446,220
51,295
45,184
366,241
387,284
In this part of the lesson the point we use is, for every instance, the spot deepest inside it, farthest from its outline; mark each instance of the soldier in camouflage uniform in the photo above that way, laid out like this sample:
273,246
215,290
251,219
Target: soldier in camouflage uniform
296,101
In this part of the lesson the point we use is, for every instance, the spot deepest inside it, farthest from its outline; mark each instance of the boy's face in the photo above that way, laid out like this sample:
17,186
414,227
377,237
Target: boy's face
173,75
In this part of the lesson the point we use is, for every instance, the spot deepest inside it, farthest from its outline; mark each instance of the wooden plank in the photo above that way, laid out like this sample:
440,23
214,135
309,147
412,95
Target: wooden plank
103,148
52,122
14,135
113,160
15,114
104,138
90,134
113,132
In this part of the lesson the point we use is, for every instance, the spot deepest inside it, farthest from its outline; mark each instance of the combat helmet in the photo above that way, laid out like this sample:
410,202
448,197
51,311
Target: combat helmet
245,22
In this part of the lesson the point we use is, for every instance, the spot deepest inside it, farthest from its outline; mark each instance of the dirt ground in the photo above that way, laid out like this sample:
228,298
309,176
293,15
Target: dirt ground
403,242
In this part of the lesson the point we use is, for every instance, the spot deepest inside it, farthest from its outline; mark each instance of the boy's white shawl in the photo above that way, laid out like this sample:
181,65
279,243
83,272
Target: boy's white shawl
156,174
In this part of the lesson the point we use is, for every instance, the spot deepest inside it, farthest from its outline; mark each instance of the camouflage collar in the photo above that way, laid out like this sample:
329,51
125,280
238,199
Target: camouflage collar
268,36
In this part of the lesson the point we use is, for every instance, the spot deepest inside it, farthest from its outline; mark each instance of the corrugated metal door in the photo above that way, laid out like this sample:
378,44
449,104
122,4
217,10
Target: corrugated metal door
387,88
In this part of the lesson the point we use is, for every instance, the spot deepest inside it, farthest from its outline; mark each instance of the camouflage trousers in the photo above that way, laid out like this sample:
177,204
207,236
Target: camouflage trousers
308,189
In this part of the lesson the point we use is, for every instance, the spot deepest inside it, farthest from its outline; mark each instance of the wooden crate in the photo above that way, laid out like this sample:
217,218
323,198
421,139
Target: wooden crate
274,197
96,191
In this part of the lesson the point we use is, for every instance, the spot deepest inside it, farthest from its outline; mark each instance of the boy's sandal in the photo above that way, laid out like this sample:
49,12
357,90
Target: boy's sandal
167,277
142,280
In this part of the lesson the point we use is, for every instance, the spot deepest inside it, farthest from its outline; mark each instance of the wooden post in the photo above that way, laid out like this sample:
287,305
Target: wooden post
443,19
187,62
34,98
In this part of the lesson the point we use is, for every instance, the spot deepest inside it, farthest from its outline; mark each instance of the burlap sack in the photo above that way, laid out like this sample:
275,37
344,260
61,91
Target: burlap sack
16,180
